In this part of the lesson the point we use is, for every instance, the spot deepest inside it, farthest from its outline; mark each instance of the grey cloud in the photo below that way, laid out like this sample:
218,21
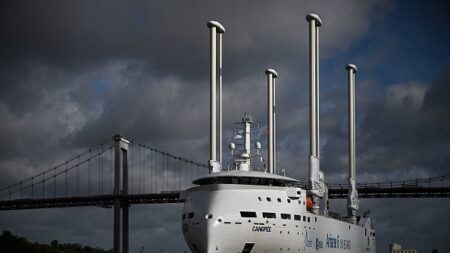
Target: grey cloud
168,33
393,137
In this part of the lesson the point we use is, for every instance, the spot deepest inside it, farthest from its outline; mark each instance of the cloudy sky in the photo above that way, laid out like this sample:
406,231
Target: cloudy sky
73,74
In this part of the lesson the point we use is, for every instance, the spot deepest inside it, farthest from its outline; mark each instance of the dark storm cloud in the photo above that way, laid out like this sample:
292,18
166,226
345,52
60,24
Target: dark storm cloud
168,33
401,130
411,129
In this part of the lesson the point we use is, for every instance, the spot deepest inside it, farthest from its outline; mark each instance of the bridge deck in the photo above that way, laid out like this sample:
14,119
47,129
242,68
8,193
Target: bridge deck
107,201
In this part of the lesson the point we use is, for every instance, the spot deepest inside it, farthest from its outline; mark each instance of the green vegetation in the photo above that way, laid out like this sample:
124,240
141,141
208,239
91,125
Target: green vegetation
10,243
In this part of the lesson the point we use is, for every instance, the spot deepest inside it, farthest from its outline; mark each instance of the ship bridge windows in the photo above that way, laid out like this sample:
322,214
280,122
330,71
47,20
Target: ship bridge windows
297,217
243,180
279,199
247,214
285,216
269,215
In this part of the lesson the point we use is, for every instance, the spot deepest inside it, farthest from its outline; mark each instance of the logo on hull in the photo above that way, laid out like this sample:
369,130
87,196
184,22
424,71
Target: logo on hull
307,242
261,229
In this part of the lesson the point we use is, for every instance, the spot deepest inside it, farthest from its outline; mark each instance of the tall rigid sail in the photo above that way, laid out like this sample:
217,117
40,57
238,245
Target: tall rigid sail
248,208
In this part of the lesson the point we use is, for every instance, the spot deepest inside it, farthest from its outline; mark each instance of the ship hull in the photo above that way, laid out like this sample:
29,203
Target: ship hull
229,218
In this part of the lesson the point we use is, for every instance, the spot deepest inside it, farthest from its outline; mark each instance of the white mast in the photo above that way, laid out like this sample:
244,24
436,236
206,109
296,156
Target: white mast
215,165
316,178
220,97
243,153
352,201
271,75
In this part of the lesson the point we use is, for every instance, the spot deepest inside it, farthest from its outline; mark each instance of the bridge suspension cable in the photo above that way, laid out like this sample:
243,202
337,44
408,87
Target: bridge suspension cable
51,176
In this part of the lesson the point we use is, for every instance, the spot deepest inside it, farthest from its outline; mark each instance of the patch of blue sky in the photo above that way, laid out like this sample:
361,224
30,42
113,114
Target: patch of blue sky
398,48
101,85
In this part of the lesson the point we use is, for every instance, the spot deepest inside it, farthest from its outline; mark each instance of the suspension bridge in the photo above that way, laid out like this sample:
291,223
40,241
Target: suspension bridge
120,173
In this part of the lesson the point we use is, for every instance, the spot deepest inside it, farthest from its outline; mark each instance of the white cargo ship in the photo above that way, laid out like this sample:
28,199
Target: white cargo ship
245,209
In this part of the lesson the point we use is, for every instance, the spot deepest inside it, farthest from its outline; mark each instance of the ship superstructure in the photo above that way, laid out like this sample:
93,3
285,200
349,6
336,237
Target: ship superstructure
245,209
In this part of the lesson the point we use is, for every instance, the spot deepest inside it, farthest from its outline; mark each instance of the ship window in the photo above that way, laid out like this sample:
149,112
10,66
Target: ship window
190,215
315,219
304,218
309,219
196,248
299,202
269,199
269,215
254,181
365,232
248,247
244,180
259,198
279,200
184,216
289,201
285,216
297,217
245,214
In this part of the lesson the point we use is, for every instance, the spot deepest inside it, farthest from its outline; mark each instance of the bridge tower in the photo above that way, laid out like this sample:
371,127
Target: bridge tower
120,192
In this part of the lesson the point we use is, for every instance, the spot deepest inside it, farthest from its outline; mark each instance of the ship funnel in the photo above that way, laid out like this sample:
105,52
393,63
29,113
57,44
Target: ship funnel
352,201
216,31
316,179
271,75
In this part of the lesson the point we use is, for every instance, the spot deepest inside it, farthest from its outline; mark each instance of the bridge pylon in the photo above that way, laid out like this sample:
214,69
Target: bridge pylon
120,192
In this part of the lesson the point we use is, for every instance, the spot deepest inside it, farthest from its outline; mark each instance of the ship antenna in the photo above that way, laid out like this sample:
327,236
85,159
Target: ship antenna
271,75
316,178
214,164
352,201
